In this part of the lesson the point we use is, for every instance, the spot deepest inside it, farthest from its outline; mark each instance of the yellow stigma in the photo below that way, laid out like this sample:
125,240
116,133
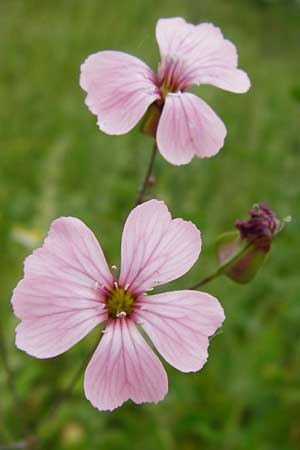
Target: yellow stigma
120,303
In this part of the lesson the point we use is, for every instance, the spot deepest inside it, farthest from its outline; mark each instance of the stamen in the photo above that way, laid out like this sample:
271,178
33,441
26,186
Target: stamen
121,314
175,94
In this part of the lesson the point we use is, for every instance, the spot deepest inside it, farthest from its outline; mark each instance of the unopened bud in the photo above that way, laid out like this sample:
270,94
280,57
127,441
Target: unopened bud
245,250
260,228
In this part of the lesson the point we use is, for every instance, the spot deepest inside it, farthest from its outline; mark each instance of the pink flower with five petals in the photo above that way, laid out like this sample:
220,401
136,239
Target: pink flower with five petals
121,88
68,289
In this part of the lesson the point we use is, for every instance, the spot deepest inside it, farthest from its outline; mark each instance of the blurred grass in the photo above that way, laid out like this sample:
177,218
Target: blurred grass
54,162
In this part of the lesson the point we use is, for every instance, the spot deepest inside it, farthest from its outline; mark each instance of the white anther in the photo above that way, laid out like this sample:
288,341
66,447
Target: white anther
114,267
116,285
126,286
175,94
121,314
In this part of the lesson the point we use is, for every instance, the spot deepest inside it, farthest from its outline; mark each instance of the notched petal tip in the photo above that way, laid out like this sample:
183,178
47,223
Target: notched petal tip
156,248
205,55
56,300
124,357
189,127
179,323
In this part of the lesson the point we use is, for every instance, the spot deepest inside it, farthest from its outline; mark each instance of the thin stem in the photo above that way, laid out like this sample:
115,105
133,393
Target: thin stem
205,280
141,193
220,270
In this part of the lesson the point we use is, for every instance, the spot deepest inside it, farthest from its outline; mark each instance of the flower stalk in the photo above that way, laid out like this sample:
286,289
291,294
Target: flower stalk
222,268
146,183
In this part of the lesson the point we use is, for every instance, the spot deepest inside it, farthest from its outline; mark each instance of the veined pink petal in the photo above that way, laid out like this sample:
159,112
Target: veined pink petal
205,56
120,88
54,333
60,298
171,35
70,252
188,127
179,324
124,367
155,248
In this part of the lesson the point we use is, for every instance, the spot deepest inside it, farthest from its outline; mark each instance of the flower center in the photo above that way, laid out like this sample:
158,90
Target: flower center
170,76
120,303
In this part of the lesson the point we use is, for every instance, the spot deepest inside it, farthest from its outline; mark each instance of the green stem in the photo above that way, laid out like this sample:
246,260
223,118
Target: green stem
141,193
221,269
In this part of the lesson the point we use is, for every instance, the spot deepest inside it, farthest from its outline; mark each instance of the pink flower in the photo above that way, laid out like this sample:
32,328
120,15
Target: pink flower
121,88
68,289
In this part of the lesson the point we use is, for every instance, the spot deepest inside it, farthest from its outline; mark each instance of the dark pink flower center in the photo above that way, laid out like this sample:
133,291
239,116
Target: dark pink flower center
170,76
170,79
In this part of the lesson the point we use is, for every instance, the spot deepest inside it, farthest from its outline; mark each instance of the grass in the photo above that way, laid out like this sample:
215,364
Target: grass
54,161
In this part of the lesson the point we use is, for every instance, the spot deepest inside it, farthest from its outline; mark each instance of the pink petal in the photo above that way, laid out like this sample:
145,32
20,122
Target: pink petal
179,324
155,248
188,127
124,367
170,34
204,55
120,88
60,298
58,329
71,252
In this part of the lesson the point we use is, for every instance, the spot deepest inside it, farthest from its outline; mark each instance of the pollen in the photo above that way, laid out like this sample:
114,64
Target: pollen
120,302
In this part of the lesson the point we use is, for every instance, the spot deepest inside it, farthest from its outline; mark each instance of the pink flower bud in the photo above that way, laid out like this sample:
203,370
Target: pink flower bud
260,228
243,252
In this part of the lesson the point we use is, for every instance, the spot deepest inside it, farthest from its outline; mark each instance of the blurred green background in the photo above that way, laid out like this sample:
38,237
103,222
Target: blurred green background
54,161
